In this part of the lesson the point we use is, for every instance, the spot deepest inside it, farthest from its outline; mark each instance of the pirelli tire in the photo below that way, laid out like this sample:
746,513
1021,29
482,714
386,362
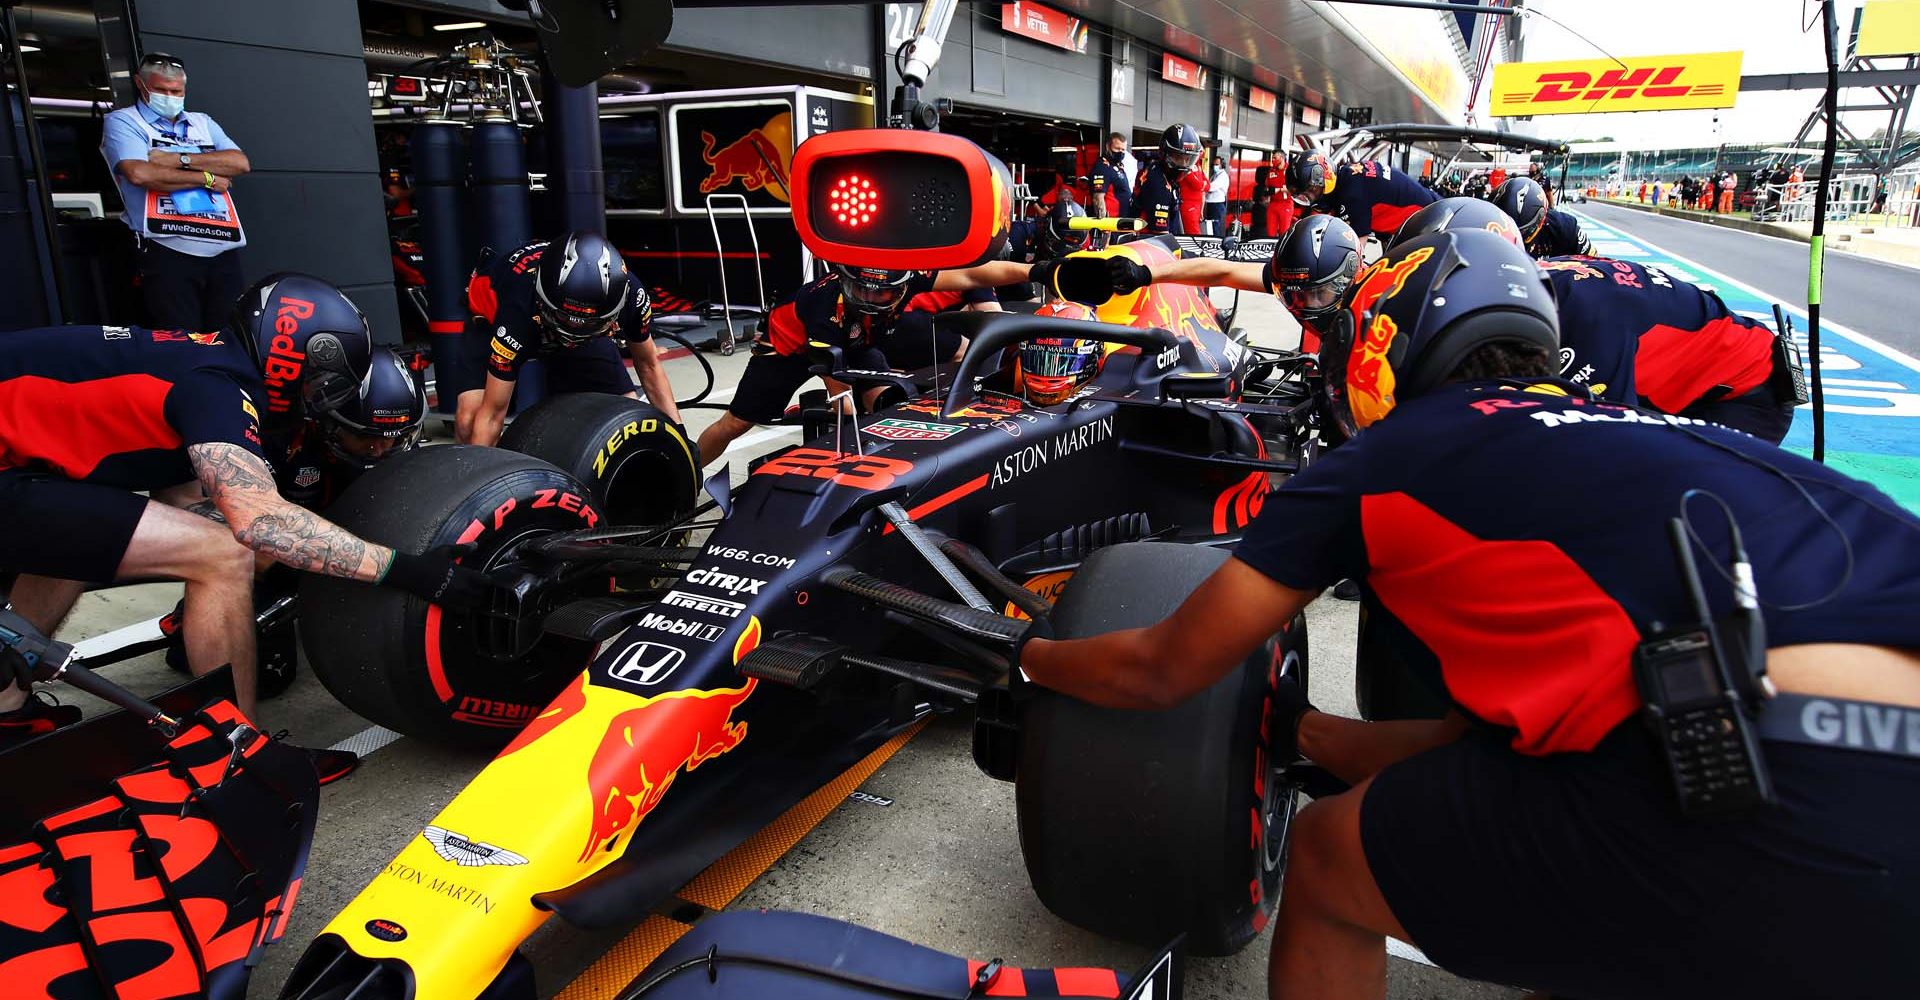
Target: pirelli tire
639,465
1386,687
459,679
1144,825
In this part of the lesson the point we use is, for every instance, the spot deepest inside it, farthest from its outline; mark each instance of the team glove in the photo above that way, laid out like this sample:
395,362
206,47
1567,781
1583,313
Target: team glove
1128,276
436,576
1290,704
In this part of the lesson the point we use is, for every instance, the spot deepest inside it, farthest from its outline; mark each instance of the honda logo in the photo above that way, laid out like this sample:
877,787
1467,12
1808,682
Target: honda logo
647,663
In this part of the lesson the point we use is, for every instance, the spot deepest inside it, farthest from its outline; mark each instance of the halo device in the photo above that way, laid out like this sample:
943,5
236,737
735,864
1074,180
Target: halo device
900,200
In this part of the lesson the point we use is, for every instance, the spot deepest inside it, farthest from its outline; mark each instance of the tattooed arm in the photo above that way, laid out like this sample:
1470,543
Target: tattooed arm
242,486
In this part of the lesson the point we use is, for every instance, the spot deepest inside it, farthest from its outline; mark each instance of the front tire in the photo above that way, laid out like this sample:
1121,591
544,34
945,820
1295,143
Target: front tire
639,465
1145,825
453,678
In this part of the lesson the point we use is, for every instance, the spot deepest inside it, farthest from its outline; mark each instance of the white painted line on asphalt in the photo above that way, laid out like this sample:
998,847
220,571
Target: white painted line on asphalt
1400,949
1893,354
1833,246
366,741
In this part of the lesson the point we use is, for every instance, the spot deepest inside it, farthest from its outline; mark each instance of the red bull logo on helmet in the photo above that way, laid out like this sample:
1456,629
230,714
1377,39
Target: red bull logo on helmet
1370,379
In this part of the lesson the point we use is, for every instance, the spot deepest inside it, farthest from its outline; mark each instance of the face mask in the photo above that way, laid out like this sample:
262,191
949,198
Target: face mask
166,105
1115,156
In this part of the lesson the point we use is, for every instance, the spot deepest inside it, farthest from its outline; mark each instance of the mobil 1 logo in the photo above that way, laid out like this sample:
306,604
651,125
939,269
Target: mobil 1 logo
681,627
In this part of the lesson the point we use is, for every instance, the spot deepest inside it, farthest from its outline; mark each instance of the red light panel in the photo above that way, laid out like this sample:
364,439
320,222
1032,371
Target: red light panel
899,199
853,201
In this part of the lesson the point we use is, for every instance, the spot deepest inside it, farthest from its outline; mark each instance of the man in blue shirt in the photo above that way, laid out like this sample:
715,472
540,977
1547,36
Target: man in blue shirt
174,169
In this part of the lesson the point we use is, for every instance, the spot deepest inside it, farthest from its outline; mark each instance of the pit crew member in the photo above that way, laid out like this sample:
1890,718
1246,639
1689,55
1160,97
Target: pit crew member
1534,836
564,301
1548,231
332,448
1373,197
1310,269
90,417
858,310
1160,197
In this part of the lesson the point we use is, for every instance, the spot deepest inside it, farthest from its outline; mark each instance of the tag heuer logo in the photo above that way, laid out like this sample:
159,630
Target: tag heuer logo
468,853
912,430
307,476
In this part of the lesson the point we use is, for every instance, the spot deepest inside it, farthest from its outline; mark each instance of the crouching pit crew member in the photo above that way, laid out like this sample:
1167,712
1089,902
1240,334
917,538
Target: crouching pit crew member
92,416
1373,197
333,447
1311,268
1537,836
859,310
565,302
1548,231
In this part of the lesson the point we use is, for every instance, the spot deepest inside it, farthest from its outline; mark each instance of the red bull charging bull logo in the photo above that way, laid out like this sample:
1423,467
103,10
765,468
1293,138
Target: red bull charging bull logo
1370,380
646,748
1579,270
757,161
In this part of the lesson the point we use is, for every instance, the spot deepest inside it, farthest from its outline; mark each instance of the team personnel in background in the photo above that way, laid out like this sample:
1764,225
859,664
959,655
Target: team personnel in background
1217,183
1727,184
1373,197
566,302
1538,174
1029,241
1121,156
1535,835
1118,183
175,169
863,312
1548,231
96,416
1311,267
1163,196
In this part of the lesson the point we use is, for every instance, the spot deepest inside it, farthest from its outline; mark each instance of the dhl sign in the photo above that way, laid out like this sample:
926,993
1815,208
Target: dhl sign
1598,86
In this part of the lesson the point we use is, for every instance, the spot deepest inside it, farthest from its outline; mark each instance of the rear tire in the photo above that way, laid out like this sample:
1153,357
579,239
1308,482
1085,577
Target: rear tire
441,676
639,465
1144,825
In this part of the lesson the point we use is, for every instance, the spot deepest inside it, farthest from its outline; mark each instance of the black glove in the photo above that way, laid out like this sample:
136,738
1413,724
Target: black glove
1289,704
1128,276
436,576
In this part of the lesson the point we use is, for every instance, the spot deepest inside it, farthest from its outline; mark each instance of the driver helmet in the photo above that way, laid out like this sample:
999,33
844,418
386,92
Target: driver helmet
1412,316
1313,264
1525,201
872,290
1058,239
1309,177
1453,215
1179,148
308,341
581,287
1052,368
383,417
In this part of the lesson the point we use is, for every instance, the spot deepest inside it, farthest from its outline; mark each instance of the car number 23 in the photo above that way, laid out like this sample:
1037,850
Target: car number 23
863,472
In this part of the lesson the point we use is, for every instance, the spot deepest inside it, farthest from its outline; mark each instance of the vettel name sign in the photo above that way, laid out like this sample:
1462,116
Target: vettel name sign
1598,86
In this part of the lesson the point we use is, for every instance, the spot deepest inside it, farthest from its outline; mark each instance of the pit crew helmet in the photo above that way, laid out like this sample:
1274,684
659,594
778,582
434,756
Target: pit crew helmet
1179,148
1525,201
384,416
1309,177
1052,368
309,342
871,290
1313,264
1058,238
580,288
1412,316
1455,214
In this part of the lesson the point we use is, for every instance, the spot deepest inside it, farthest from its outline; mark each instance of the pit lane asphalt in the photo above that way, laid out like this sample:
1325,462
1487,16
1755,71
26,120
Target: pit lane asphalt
940,866
1870,296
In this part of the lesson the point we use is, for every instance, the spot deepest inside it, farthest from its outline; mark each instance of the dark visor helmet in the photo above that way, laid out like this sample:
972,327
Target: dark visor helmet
1309,177
1179,148
581,287
1454,215
1051,368
1059,238
388,405
1412,316
309,342
1525,202
872,290
1313,265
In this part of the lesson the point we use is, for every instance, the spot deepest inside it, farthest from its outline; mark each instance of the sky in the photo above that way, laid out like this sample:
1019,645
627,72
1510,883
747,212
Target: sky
1767,31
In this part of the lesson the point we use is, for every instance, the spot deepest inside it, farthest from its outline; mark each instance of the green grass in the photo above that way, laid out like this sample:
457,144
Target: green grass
1898,476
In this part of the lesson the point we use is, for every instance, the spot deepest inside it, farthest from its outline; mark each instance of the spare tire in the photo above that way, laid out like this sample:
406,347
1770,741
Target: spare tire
1135,825
639,465
438,675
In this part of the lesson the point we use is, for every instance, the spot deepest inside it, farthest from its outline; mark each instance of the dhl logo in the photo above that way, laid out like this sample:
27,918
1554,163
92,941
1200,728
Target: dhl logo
1594,86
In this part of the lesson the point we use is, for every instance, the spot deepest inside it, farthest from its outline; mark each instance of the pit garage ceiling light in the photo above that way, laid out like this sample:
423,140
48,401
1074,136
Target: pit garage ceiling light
460,26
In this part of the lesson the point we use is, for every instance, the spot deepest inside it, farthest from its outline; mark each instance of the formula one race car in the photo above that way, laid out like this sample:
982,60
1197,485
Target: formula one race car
820,617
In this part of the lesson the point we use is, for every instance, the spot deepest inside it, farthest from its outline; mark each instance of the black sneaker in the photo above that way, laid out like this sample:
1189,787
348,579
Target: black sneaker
1346,590
39,716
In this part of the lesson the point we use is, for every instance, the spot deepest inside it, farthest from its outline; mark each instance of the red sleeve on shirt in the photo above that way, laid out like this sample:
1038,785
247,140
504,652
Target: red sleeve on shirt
1673,368
785,330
